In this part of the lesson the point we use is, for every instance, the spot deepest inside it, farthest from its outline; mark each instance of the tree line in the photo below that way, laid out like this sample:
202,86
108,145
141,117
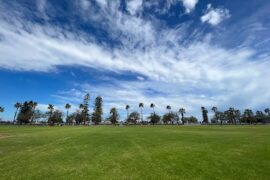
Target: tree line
26,113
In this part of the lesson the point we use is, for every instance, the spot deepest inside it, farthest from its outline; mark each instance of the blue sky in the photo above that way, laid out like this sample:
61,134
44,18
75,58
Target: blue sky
183,53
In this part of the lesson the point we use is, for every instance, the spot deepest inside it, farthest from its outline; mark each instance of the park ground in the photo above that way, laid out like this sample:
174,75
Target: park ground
135,152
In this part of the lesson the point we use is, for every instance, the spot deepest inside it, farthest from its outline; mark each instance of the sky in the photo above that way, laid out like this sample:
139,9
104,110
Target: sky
182,53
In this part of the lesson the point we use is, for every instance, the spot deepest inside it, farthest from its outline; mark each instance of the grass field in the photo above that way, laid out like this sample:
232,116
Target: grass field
135,152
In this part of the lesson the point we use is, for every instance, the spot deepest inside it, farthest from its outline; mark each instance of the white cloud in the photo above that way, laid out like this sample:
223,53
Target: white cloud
61,107
164,7
189,5
133,6
42,8
85,4
140,78
214,16
102,2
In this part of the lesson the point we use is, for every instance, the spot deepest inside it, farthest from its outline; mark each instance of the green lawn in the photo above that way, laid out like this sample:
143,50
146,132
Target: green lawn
135,152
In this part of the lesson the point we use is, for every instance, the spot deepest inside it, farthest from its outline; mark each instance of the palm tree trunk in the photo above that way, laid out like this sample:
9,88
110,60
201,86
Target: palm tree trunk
127,114
32,118
67,117
15,115
141,115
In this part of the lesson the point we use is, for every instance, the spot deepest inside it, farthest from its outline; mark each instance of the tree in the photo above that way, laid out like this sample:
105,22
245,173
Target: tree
204,115
67,106
154,118
2,109
170,117
114,116
141,106
17,106
40,116
72,118
51,109
134,117
260,117
97,114
86,112
248,116
79,117
56,117
127,109
191,119
26,112
215,110
168,107
230,115
34,105
81,106
85,108
237,115
152,105
182,111
222,117
267,111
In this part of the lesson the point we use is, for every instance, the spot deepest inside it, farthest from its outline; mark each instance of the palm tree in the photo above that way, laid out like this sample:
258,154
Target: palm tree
204,115
182,111
87,97
81,106
67,106
232,115
141,106
2,109
248,114
168,107
17,106
50,108
267,111
152,105
33,105
237,114
127,108
114,116
215,110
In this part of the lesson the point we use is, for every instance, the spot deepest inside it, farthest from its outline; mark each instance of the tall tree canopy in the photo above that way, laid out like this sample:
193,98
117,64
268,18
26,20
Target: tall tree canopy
205,115
170,117
56,117
114,116
154,118
134,117
97,114
26,112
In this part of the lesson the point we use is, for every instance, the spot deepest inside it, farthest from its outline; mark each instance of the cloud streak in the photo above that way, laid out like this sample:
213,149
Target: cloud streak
214,16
